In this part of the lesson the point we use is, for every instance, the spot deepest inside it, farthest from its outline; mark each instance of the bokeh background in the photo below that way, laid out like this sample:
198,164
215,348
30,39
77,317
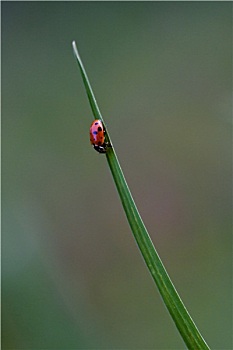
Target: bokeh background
72,276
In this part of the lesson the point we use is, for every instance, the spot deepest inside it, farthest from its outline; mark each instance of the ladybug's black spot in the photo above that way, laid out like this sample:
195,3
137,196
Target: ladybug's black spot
96,123
99,143
95,132
99,128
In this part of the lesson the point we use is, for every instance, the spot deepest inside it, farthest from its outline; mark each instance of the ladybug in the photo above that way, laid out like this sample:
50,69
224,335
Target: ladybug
97,136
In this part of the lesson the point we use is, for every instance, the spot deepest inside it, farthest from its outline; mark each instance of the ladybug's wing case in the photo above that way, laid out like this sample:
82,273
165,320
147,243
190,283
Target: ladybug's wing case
97,136
92,137
97,133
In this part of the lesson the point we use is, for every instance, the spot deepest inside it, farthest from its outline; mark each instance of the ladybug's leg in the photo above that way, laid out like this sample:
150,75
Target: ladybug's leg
108,144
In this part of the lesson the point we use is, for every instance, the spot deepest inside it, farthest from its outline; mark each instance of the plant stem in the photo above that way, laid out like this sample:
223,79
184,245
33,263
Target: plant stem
187,328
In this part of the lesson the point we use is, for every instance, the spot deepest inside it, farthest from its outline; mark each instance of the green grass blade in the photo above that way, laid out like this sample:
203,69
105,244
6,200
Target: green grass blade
187,328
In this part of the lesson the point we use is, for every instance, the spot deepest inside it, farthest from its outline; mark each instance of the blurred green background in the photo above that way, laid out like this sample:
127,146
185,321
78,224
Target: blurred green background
72,276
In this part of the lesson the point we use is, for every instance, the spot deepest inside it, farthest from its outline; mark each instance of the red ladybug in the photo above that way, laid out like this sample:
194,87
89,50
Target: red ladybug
97,137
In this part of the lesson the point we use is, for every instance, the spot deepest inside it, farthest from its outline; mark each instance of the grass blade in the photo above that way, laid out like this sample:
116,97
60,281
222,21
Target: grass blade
184,323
